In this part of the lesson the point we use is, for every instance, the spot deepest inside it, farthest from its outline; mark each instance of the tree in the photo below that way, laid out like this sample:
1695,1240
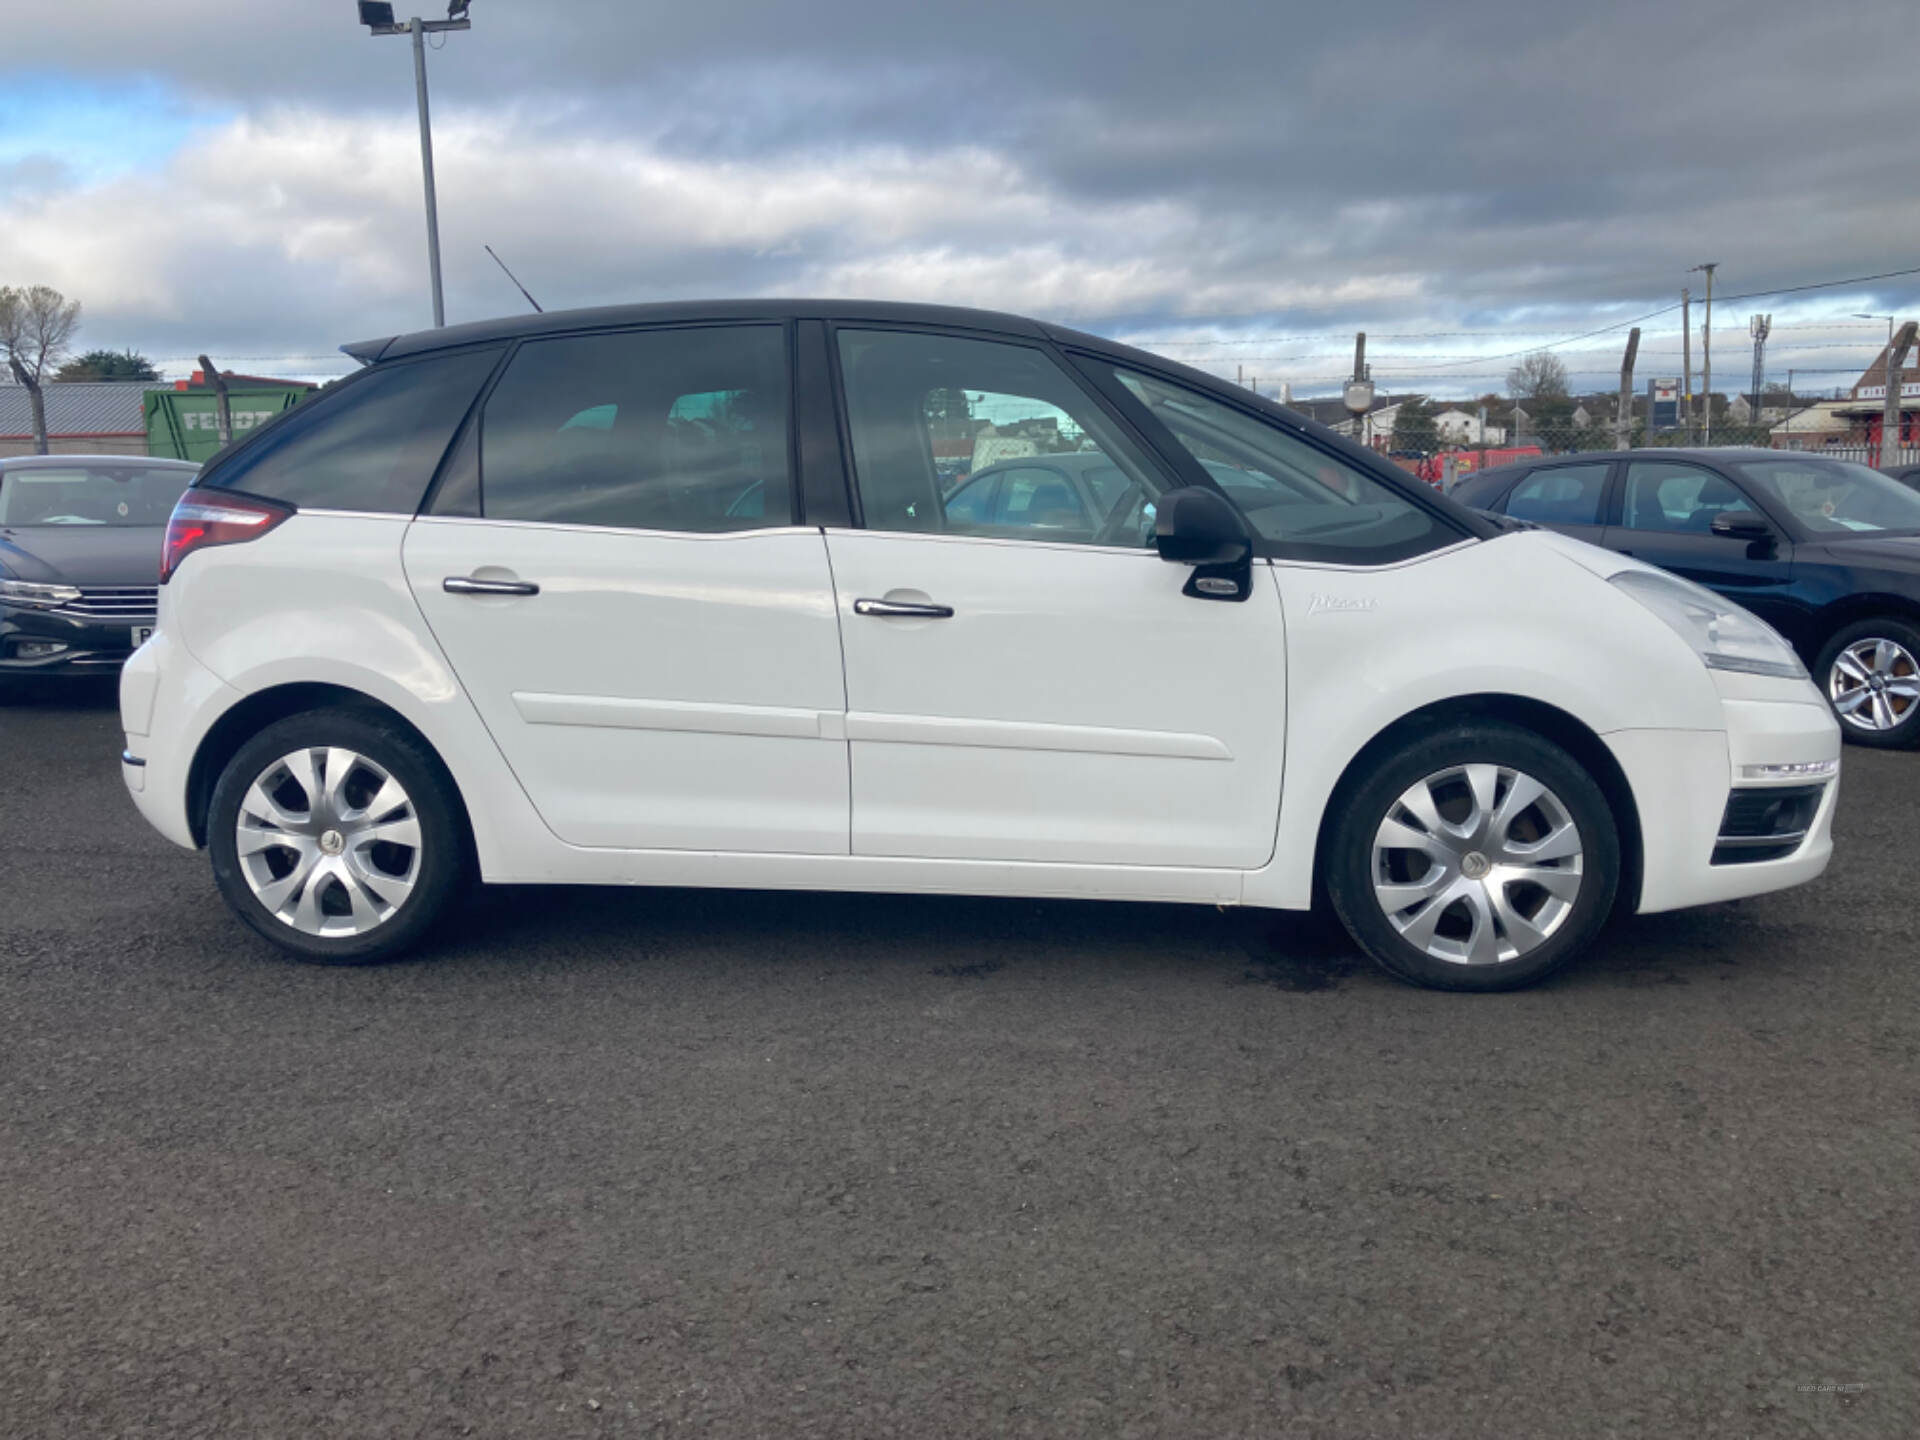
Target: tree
1413,429
1539,374
108,365
36,322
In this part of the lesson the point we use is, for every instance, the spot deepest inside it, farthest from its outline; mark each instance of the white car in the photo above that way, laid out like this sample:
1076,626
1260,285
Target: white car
668,595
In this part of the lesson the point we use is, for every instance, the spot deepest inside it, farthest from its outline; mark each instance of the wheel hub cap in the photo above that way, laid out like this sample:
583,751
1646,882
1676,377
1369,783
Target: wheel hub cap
1477,864
1874,684
329,842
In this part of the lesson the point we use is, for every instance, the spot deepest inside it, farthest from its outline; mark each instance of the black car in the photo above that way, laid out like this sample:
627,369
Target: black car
1827,551
80,543
1908,475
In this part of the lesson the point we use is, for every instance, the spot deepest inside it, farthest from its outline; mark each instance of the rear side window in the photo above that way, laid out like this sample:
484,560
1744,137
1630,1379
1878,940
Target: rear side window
372,444
1560,495
680,430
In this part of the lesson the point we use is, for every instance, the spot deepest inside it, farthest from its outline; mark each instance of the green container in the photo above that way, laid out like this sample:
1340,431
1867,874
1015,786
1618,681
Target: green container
183,424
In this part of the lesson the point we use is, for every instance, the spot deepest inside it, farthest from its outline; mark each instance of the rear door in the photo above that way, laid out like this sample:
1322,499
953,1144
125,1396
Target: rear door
612,568
1663,514
1025,687
1569,498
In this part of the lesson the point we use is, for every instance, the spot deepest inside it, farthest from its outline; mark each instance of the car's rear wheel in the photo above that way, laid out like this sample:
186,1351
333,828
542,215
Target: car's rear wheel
337,835
1871,671
1481,857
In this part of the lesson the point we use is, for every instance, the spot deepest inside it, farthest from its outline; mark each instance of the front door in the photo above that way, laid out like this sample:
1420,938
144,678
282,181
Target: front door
649,639
1022,689
1665,517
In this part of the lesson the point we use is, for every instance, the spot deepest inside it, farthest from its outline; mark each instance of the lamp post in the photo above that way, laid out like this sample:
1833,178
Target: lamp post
378,18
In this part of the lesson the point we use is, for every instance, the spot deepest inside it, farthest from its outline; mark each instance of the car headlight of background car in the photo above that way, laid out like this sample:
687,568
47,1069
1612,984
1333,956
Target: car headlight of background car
36,596
1724,636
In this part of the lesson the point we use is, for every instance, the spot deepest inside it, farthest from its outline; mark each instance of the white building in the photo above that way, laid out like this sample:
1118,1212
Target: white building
1463,427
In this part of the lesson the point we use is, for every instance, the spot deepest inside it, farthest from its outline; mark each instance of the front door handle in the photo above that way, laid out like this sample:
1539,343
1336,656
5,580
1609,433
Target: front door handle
911,609
468,585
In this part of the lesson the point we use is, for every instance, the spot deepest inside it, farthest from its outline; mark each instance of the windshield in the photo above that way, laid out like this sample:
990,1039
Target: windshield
1836,497
91,494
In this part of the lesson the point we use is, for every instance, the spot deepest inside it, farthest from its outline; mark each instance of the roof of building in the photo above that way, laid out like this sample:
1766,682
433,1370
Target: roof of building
79,407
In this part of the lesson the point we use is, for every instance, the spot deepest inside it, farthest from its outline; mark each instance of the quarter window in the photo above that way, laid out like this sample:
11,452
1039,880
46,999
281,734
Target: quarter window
1678,499
941,424
1311,504
648,430
1560,495
372,444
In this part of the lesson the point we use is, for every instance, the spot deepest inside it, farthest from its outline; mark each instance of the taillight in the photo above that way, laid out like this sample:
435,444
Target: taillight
205,518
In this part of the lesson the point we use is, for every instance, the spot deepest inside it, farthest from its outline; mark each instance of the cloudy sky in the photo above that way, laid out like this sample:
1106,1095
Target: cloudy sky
1237,185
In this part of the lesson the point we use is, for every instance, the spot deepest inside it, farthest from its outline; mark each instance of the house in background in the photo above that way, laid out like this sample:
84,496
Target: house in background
84,417
1463,427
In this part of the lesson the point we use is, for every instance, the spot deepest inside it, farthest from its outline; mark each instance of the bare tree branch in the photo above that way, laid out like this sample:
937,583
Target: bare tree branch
36,322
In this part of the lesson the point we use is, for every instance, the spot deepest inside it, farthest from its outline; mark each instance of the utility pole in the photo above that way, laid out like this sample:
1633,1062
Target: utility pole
222,412
1358,395
1760,326
1706,350
1686,356
378,18
1623,424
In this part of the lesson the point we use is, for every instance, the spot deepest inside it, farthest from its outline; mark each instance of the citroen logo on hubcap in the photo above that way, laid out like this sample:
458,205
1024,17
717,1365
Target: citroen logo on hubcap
333,842
1475,866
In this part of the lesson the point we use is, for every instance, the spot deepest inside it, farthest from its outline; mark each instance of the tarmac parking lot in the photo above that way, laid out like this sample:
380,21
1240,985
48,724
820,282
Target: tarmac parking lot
690,1163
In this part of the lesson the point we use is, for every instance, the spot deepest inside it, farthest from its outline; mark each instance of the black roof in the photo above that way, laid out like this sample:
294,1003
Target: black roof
604,317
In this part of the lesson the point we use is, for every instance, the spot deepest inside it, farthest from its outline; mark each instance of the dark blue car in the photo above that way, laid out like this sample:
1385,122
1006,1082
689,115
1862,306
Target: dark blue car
1826,551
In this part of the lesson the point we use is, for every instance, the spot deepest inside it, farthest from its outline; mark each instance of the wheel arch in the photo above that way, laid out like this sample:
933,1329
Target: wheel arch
1851,610
1548,721
247,718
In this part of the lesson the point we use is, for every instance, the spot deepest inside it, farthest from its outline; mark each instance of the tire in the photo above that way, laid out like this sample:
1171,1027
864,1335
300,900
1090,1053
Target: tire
1452,933
379,857
1870,672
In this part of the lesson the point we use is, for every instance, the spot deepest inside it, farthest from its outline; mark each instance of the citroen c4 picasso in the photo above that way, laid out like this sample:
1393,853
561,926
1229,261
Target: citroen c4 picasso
676,595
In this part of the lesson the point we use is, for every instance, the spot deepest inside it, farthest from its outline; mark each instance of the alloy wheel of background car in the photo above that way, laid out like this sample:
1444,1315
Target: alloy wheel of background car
1874,683
1477,857
1477,864
1871,671
338,835
329,842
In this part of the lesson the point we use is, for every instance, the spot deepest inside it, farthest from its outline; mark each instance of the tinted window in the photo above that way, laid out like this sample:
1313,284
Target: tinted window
1679,499
1560,495
972,503
928,411
372,444
648,430
1836,497
1309,501
91,494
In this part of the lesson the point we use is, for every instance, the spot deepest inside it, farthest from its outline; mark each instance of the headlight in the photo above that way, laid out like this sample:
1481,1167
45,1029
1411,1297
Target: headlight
35,595
1724,636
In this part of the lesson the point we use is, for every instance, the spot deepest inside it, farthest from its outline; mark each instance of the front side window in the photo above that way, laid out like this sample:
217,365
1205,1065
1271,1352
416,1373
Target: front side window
1560,495
1313,503
940,426
1836,497
681,430
1678,499
91,493
371,445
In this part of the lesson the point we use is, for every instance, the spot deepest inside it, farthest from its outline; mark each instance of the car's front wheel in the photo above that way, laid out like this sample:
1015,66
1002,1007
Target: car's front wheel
1479,857
337,835
1871,671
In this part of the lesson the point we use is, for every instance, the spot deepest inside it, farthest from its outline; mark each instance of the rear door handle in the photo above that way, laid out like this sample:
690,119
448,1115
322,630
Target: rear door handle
885,609
468,585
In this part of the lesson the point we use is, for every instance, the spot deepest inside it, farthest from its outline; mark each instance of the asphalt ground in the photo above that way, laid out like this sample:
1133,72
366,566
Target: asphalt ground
702,1163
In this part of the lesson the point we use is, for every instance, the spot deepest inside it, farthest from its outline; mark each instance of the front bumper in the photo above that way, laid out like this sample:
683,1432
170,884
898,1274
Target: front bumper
46,642
1682,781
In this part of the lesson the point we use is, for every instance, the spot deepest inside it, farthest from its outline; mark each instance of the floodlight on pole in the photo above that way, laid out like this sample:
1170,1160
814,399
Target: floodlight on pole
378,18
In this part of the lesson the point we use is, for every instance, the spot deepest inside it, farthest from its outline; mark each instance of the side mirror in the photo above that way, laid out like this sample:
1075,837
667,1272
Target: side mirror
1742,525
1199,527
